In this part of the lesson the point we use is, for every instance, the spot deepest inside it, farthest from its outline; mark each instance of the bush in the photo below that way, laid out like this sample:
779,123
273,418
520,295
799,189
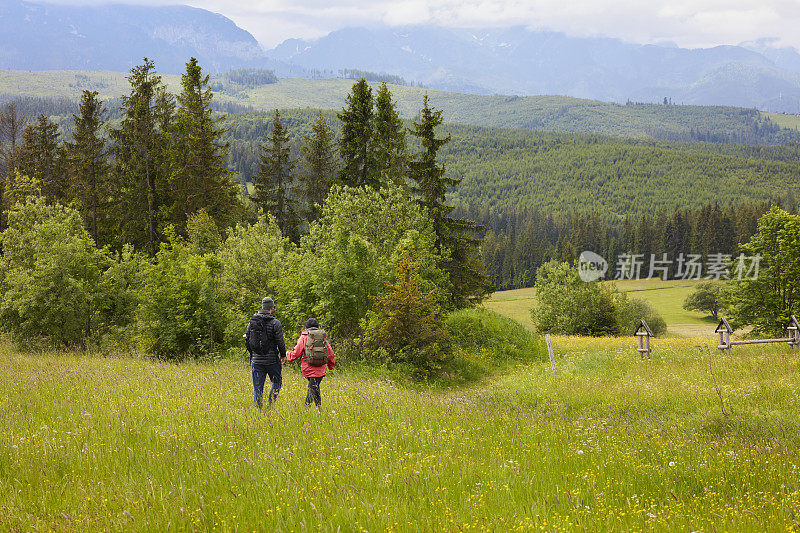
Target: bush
568,305
481,331
707,296
51,272
632,310
254,262
348,258
181,312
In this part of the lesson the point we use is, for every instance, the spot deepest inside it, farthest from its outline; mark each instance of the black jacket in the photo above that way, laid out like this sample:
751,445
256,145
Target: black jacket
273,346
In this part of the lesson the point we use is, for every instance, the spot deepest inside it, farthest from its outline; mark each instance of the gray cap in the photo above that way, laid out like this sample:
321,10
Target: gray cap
267,303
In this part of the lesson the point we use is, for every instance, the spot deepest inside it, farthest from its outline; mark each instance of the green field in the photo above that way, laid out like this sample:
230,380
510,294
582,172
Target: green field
610,443
791,122
666,297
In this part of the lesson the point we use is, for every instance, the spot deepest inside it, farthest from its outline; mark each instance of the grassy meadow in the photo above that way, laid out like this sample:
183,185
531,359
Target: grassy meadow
790,122
666,297
609,443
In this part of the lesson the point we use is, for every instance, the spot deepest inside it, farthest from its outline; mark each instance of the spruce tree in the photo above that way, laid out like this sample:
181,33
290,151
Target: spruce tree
273,183
319,166
454,237
201,179
89,164
42,158
389,139
12,124
141,146
358,117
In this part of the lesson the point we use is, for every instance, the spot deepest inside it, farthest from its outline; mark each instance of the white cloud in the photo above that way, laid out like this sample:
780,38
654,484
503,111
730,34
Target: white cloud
690,23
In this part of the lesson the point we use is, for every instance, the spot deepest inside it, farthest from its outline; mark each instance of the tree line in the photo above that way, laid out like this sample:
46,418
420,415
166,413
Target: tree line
140,223
516,246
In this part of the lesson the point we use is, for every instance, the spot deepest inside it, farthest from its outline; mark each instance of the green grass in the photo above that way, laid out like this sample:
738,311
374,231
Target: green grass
666,297
790,122
610,443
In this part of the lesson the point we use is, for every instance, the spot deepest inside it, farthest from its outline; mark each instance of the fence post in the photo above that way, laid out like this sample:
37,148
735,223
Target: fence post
550,352
643,333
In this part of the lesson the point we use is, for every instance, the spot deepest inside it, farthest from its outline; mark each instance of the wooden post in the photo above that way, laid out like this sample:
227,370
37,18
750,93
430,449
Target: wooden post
550,351
724,329
643,333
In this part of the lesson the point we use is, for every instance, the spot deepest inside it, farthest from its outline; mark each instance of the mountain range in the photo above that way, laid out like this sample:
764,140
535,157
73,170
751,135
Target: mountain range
514,60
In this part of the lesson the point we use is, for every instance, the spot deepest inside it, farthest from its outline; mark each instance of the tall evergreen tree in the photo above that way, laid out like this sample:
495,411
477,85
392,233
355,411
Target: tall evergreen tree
12,125
358,117
141,148
319,166
200,179
454,237
42,158
389,139
273,183
89,163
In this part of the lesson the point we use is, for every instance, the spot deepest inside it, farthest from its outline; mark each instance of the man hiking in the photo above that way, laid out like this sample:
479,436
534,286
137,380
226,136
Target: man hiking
264,341
317,358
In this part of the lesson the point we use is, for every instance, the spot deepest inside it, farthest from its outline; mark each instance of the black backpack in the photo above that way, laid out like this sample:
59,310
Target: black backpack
259,336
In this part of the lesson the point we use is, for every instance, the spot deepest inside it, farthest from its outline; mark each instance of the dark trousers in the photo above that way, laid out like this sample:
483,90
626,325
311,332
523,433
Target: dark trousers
314,395
260,373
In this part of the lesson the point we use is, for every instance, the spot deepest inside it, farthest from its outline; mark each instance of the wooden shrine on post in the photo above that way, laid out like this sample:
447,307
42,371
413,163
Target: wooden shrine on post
644,334
791,331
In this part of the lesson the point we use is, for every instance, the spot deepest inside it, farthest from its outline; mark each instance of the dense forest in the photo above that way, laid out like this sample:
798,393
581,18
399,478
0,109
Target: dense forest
516,245
539,195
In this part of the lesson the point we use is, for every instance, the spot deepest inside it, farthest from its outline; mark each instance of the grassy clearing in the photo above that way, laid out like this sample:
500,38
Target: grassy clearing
610,443
666,297
790,122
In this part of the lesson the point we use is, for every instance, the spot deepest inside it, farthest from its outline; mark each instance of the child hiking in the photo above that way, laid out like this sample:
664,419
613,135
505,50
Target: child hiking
317,357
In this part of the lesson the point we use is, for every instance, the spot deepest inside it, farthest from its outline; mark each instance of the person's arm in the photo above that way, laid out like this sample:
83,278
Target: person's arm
278,330
247,340
297,351
331,357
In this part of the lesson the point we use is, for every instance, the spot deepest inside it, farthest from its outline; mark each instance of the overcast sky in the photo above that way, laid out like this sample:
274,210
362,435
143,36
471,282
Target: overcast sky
689,23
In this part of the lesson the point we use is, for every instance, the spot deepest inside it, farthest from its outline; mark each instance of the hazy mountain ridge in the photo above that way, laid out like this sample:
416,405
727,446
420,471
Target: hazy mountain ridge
116,37
520,61
514,60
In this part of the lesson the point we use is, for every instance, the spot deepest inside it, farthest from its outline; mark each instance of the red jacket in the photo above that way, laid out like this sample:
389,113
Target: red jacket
300,351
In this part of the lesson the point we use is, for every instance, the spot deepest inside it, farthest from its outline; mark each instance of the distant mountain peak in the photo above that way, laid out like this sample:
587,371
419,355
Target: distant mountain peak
518,60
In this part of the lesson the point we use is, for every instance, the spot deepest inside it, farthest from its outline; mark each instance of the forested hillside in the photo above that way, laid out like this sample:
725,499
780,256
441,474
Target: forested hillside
541,195
541,113
505,171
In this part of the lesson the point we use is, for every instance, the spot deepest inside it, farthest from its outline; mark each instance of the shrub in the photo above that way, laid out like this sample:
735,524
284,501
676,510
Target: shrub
51,275
181,312
479,330
632,310
568,305
254,262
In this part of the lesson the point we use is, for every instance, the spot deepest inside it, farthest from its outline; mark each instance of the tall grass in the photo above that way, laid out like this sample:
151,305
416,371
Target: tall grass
610,442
